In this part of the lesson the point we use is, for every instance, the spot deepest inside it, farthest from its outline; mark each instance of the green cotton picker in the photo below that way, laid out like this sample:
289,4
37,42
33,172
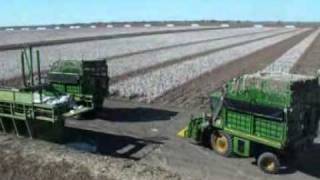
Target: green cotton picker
269,116
40,105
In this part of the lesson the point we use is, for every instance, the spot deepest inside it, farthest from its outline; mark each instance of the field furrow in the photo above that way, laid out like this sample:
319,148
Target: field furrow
154,84
291,57
309,64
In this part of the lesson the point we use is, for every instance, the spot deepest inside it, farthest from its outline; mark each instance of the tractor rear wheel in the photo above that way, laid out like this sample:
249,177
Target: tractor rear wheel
269,163
221,143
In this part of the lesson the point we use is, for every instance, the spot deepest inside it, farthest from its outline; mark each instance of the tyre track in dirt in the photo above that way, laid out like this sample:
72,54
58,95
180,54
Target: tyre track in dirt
185,58
194,94
309,63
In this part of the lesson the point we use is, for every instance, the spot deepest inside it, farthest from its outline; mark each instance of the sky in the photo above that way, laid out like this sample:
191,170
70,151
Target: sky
37,12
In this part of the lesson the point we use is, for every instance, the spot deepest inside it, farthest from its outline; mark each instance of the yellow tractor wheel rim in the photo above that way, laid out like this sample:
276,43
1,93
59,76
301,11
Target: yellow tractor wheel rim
221,144
269,165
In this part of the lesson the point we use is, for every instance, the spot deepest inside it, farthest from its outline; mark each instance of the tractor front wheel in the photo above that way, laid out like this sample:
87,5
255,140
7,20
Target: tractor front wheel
269,163
221,143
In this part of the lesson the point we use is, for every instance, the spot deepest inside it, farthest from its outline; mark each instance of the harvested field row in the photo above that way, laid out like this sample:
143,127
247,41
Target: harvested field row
146,60
309,63
194,94
19,37
9,60
291,57
154,84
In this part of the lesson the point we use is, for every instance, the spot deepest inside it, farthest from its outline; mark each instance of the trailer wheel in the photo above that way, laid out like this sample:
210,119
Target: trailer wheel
221,143
269,163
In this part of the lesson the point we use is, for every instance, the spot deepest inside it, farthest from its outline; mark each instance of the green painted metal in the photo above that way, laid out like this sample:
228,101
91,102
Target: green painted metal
85,83
277,111
241,146
81,78
195,128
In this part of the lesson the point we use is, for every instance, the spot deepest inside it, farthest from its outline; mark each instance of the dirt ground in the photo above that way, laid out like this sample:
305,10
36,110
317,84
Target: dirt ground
25,159
147,134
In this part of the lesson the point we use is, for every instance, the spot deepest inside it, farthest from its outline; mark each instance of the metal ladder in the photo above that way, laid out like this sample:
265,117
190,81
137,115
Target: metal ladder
28,127
2,127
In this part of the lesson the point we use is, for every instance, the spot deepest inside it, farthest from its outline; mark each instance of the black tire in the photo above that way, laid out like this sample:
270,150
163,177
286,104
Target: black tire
221,143
206,136
269,163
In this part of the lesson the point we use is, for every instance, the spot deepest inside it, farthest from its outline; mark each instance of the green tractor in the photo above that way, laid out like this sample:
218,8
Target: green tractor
40,105
269,116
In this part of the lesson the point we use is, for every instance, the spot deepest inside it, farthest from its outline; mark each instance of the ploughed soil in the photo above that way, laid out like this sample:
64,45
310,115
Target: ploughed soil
195,93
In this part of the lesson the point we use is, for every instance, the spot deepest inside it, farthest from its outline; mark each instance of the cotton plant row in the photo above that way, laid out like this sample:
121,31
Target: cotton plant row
9,60
154,84
145,60
289,59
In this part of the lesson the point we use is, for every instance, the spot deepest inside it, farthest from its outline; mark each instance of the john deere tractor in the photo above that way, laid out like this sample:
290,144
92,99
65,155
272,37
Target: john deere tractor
270,116
70,88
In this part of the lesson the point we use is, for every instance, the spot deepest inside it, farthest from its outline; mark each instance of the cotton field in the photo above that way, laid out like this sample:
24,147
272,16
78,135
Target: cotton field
15,37
139,61
121,48
154,84
147,67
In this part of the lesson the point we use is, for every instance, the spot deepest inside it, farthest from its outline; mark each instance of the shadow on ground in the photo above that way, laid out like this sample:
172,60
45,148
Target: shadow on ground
139,114
109,144
309,161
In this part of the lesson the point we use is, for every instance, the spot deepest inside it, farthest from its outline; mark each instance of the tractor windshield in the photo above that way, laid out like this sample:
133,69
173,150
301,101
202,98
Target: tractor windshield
216,104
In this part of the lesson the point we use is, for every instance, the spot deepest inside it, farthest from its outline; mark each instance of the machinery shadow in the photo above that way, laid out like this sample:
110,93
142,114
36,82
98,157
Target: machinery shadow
134,114
309,161
109,144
